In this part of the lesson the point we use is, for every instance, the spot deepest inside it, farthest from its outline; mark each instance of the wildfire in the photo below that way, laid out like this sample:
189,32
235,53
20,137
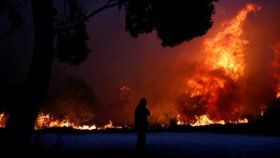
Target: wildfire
276,67
179,120
204,120
226,49
3,120
109,125
46,121
239,121
224,63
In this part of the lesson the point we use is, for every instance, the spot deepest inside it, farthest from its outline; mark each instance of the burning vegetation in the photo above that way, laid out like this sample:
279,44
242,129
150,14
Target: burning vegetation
215,91
276,69
46,121
212,90
3,120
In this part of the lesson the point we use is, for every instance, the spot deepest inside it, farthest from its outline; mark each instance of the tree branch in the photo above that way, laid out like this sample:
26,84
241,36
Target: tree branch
106,6
9,32
18,5
109,4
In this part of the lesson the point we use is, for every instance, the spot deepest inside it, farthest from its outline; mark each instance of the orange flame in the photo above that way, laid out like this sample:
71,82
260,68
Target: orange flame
109,125
276,68
3,120
179,120
46,121
226,49
224,62
204,120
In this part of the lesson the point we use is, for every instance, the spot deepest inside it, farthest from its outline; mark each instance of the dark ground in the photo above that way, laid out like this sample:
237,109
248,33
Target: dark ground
160,144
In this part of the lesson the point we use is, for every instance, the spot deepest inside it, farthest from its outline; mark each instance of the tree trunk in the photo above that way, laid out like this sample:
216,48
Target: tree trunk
35,89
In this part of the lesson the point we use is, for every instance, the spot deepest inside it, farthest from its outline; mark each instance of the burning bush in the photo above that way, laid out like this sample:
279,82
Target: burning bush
72,100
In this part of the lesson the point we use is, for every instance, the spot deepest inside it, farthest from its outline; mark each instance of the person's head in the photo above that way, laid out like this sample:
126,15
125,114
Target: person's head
143,102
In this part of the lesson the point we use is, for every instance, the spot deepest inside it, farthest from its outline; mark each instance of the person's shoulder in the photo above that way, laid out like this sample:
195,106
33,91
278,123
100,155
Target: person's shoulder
148,111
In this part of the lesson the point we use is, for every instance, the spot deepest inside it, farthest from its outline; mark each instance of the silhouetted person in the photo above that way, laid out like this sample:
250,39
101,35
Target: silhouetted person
141,123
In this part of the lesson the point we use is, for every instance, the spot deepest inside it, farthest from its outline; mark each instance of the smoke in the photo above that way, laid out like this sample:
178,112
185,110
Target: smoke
231,94
71,99
263,34
129,69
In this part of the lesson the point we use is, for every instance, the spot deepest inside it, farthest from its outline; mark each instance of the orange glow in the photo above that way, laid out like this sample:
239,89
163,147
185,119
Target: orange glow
276,68
46,121
223,63
179,120
239,121
109,125
3,120
204,120
226,49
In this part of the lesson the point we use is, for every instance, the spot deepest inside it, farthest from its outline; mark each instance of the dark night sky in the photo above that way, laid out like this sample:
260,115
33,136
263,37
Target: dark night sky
119,60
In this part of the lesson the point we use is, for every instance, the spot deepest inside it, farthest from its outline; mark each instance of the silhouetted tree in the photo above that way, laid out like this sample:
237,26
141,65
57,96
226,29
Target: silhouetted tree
174,21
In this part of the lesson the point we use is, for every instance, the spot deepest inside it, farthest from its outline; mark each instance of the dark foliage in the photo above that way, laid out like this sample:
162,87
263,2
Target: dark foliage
12,11
71,42
175,21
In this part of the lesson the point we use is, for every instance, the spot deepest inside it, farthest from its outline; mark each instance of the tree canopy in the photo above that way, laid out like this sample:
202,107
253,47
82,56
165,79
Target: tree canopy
174,22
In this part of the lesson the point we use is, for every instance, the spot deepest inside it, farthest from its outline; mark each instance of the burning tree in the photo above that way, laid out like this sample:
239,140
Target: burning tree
214,90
